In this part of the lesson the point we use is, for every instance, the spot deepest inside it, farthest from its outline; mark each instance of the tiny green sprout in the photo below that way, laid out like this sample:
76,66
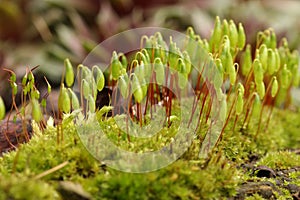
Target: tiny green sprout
116,66
69,77
233,34
137,89
91,103
216,35
274,89
85,88
241,37
36,110
2,109
261,90
246,61
263,56
159,70
74,100
64,102
239,103
100,80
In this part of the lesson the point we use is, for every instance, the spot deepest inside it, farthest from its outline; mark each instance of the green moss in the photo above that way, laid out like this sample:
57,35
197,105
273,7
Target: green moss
280,160
180,180
187,178
18,186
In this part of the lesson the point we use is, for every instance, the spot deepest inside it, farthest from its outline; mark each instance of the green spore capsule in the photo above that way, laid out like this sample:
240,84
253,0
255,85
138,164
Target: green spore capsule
187,61
232,74
241,37
223,109
85,88
263,56
225,27
274,89
233,34
91,103
64,102
116,66
241,88
137,89
285,77
256,105
258,71
273,40
36,110
69,77
277,60
227,60
239,103
271,62
261,90
219,74
216,35
74,100
100,80
246,61
159,70
123,84
2,109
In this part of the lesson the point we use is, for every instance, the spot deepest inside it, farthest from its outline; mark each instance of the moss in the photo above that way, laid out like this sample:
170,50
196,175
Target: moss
180,180
187,178
18,186
280,160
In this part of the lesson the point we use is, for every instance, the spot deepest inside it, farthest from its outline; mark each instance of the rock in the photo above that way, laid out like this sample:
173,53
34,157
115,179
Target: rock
264,171
12,134
265,189
293,188
69,190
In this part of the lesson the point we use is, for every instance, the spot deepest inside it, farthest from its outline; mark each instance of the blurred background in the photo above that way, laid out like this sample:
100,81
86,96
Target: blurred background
45,32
